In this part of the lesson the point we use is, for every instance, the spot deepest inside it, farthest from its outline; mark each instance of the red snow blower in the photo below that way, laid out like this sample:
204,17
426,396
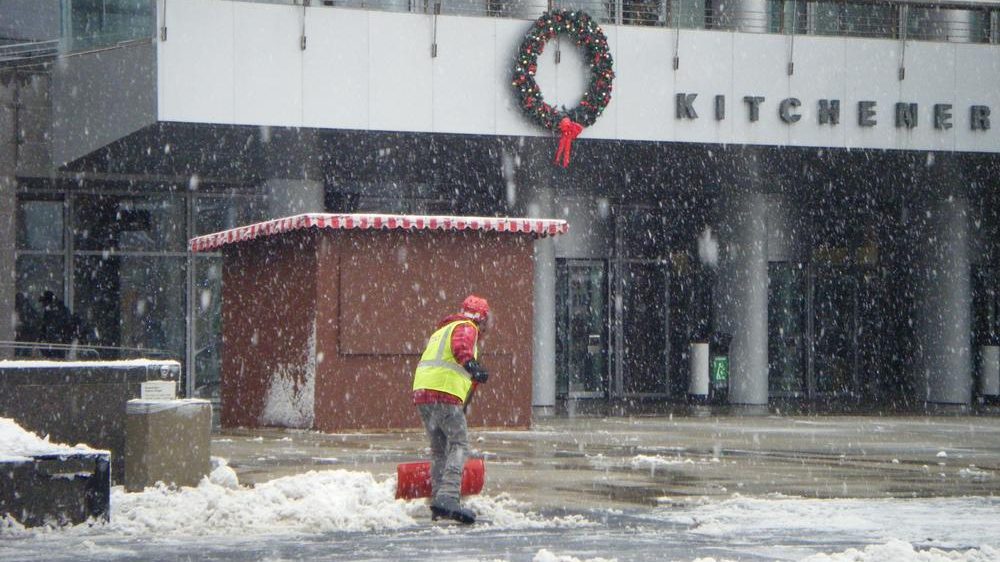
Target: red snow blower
413,479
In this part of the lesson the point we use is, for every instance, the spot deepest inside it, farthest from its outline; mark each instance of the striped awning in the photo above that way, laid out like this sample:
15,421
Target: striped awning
534,227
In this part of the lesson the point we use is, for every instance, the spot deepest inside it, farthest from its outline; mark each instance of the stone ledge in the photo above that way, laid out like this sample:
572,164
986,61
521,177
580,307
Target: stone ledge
56,490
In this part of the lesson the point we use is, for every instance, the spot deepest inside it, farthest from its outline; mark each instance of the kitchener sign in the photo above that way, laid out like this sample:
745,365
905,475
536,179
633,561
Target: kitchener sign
905,115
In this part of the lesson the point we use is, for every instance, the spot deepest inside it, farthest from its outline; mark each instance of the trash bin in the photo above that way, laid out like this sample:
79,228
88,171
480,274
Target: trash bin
989,371
698,382
167,441
718,387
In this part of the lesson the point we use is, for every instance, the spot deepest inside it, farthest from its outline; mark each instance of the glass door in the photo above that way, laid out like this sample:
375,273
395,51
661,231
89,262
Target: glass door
835,292
582,328
643,287
642,304
786,329
874,341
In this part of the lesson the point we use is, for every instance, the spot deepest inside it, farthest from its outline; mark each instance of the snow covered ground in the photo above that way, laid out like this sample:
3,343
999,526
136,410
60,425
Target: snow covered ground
343,514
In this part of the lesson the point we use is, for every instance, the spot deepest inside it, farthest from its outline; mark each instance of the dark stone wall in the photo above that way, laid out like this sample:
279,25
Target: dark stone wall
56,490
78,404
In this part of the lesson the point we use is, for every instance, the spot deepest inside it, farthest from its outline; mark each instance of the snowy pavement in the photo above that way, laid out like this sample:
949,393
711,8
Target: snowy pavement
830,488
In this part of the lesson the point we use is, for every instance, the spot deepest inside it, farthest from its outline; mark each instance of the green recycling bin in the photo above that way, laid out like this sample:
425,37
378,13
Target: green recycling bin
720,370
718,388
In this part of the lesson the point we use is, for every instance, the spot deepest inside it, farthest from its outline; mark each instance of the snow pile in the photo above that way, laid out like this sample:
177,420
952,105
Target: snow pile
222,475
119,364
10,526
315,502
290,399
19,445
652,463
544,555
975,474
941,522
312,503
896,551
505,512
893,551
899,551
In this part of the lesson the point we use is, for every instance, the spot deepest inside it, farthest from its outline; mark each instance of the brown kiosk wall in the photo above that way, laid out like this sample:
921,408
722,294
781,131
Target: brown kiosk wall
355,308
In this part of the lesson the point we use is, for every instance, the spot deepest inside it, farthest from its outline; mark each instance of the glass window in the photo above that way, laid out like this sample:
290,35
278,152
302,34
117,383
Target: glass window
133,302
97,23
942,24
581,328
785,328
869,20
602,12
215,214
794,16
643,234
456,7
986,305
208,326
133,222
834,298
778,13
688,13
826,18
36,274
40,225
644,325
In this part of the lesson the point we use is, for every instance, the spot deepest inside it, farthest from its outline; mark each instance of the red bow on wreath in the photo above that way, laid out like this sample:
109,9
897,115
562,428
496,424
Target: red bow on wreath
569,131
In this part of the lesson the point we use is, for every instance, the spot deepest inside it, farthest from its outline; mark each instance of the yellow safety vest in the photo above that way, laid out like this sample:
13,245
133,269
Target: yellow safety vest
438,369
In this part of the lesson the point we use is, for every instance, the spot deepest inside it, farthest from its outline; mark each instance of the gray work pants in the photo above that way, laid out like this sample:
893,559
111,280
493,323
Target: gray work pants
446,429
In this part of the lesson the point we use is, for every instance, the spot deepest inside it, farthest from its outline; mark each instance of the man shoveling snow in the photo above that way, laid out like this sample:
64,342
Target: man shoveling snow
445,379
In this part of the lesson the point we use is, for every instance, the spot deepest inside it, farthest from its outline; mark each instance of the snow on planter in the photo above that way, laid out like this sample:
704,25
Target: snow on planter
48,483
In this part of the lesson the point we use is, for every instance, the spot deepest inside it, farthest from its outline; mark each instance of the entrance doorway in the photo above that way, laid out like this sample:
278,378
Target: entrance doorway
786,329
835,316
614,315
582,328
642,331
825,331
641,293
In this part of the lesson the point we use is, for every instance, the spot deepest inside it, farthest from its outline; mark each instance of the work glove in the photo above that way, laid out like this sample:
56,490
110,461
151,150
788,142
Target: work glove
477,371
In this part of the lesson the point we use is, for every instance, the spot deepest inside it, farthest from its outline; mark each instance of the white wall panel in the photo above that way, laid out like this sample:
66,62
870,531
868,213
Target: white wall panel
819,74
195,64
930,79
400,85
510,120
240,62
871,75
977,82
562,83
706,68
464,80
335,62
759,69
606,126
643,93
268,64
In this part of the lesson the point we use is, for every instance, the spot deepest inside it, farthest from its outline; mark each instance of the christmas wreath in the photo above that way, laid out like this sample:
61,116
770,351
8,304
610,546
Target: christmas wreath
585,33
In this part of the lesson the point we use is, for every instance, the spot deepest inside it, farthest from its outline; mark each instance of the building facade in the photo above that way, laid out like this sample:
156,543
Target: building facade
814,183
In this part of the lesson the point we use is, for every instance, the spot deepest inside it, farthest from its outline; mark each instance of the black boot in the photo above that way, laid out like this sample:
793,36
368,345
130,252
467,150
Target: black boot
456,512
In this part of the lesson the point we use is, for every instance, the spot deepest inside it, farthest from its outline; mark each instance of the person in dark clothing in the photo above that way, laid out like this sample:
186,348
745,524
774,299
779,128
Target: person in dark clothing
57,325
445,379
27,323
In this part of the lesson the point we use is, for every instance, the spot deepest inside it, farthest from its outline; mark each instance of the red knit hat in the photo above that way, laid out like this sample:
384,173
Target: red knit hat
475,308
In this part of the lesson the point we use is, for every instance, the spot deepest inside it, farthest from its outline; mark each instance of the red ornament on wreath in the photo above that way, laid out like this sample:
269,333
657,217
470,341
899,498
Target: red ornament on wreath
586,34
